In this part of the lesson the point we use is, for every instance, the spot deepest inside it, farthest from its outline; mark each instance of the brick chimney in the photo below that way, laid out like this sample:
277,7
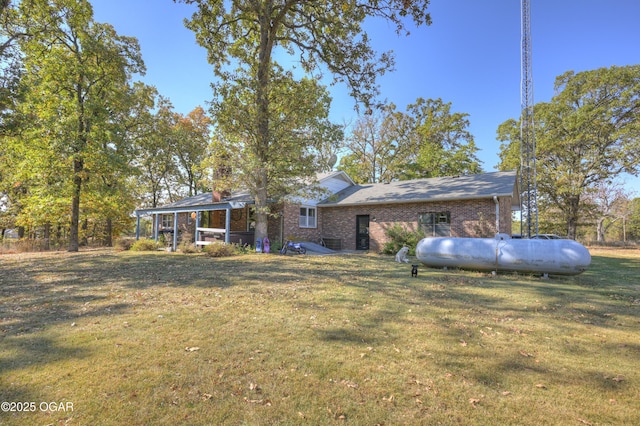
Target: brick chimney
221,173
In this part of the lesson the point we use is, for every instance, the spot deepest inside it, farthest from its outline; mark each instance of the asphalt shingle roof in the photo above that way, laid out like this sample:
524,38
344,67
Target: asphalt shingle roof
468,187
205,199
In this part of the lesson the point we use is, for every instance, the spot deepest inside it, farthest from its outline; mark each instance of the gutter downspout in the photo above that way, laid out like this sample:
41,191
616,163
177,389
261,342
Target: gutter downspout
495,200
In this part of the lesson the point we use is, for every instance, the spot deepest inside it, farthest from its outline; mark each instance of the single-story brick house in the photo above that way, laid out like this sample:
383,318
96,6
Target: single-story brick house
350,216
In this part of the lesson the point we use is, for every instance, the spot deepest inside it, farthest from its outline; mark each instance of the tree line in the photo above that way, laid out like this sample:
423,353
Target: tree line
82,143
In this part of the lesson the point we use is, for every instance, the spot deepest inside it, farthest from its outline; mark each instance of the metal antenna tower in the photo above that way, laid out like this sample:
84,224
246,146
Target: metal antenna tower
528,186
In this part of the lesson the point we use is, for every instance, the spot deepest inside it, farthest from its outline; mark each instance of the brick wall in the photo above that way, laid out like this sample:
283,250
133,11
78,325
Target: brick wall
186,226
472,218
291,225
238,219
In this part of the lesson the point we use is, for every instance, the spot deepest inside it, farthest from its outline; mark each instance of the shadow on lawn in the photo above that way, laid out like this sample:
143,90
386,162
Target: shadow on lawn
44,291
61,288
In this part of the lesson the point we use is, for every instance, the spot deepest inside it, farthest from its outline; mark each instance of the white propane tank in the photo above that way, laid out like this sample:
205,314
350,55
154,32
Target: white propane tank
560,257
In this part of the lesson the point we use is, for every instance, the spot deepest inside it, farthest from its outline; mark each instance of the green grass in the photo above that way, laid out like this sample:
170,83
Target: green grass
163,339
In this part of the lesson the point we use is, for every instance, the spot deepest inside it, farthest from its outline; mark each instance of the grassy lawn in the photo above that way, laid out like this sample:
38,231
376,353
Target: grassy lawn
165,339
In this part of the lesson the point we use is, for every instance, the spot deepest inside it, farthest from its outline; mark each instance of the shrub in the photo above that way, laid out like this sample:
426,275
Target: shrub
398,237
242,248
187,247
217,249
145,245
124,244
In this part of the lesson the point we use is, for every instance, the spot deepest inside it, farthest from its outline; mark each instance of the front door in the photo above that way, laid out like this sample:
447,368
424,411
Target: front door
362,232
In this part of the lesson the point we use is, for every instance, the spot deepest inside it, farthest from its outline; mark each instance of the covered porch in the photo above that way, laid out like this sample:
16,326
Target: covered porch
199,217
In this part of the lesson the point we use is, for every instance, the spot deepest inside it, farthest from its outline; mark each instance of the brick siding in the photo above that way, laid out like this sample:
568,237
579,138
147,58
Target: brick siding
291,225
472,218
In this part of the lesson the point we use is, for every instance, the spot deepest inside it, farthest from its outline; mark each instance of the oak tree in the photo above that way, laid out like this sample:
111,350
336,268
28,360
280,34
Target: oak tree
586,135
250,42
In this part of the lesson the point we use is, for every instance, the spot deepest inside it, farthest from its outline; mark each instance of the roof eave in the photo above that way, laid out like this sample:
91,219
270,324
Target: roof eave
194,208
415,200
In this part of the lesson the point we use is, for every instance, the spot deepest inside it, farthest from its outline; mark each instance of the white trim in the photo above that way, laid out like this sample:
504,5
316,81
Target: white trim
307,216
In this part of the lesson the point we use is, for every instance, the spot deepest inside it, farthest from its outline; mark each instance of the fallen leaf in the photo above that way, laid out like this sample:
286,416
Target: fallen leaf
349,384
506,393
618,379
583,421
541,386
474,401
463,343
192,349
525,354
258,401
206,396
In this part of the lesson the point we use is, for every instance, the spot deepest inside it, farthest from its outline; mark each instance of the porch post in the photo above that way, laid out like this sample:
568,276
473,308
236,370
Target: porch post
137,226
227,226
195,238
175,230
156,225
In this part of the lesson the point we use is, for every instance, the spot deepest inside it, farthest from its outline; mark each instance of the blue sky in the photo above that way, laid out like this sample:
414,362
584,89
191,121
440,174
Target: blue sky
469,56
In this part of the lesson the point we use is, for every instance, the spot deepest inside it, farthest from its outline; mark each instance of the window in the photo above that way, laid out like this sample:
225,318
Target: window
435,224
308,217
167,221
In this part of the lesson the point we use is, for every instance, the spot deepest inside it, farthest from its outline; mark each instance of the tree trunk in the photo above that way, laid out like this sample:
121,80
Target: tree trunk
263,136
600,230
75,205
84,241
262,218
108,241
47,236
573,212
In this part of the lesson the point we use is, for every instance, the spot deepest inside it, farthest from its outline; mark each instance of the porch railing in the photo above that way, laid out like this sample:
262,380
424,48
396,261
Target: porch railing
217,234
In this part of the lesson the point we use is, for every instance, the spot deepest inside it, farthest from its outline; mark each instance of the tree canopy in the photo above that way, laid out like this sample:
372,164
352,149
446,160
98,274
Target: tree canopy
586,135
75,82
427,140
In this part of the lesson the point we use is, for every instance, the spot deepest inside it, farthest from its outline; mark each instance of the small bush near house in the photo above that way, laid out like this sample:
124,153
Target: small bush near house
242,248
220,249
275,247
398,237
187,247
124,244
145,245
